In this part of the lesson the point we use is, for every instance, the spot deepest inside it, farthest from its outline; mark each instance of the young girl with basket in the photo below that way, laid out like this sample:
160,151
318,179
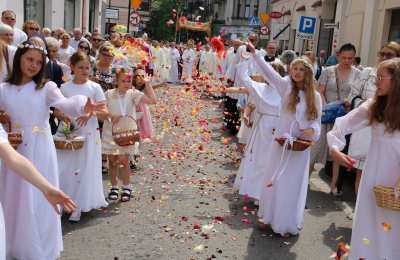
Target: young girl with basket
33,228
80,169
120,127
282,201
376,226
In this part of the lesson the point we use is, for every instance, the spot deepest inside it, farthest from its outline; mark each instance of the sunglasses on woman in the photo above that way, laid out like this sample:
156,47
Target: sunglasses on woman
84,47
386,55
33,29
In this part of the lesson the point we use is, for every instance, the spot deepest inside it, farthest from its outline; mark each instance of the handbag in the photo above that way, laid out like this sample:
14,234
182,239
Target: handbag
335,109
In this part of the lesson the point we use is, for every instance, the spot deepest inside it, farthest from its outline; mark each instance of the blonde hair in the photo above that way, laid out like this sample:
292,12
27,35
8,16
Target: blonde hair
309,90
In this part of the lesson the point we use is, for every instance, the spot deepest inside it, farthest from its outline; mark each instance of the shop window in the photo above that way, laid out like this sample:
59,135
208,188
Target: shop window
69,14
394,33
34,10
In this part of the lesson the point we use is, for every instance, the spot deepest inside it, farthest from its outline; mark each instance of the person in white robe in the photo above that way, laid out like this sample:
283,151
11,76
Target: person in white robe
188,57
175,56
376,230
249,180
283,197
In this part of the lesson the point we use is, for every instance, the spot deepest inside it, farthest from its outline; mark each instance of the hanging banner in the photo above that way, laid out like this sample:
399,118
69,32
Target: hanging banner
184,23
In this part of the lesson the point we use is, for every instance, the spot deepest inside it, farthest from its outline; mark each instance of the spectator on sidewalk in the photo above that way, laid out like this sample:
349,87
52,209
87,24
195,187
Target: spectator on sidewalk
46,32
65,51
77,37
6,34
31,28
8,17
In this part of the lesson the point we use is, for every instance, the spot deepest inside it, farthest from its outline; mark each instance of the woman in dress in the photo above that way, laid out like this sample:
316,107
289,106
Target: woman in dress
27,101
283,198
80,170
103,72
121,103
376,231
363,89
334,85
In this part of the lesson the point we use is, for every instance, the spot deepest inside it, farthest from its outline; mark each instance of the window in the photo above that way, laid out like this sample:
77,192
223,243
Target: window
394,33
34,10
241,9
69,14
256,5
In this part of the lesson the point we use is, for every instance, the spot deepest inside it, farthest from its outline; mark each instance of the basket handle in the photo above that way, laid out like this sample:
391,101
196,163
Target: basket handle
112,127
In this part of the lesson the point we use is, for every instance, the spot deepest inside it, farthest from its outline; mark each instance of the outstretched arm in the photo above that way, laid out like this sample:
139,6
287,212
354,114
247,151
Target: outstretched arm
24,168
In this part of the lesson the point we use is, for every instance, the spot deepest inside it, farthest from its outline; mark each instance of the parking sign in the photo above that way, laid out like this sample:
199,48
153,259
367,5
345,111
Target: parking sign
306,27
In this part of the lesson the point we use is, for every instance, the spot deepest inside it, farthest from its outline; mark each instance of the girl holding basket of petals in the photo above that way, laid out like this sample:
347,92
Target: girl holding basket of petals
121,103
283,199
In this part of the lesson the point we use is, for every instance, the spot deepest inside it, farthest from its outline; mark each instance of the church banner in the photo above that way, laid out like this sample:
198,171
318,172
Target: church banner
184,23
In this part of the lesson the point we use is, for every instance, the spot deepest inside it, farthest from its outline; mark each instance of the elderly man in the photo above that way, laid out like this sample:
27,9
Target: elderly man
77,37
8,17
46,32
96,41
271,50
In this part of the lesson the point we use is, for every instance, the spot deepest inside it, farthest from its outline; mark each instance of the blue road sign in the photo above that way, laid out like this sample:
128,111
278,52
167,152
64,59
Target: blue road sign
254,21
307,24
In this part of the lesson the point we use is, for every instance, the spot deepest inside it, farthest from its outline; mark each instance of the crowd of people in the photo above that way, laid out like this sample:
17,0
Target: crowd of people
69,86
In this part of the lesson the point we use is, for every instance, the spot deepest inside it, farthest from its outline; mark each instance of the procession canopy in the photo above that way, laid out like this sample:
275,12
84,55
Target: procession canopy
184,23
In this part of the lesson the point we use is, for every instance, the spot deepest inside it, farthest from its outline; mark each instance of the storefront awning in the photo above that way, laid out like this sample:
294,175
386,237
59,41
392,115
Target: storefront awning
301,8
316,4
288,12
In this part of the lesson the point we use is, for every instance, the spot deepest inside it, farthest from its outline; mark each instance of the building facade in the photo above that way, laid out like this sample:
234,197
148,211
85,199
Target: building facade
85,14
367,24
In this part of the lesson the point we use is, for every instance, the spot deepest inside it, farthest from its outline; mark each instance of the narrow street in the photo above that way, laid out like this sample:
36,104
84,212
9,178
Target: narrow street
184,207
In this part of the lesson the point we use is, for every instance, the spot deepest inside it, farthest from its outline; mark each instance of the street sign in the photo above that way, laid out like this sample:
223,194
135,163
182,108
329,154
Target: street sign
254,21
280,31
275,15
135,29
134,18
264,30
264,37
306,27
111,13
264,17
331,25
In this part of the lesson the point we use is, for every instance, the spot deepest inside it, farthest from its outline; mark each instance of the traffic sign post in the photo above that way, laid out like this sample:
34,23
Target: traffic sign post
134,19
275,15
306,27
254,21
264,30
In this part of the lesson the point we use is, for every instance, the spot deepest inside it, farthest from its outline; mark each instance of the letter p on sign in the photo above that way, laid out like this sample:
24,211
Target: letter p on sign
307,24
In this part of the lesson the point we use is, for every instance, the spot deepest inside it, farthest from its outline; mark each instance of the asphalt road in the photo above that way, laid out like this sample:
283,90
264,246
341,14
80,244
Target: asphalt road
184,207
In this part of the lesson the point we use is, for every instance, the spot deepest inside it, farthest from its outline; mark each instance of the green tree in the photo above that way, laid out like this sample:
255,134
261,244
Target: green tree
161,12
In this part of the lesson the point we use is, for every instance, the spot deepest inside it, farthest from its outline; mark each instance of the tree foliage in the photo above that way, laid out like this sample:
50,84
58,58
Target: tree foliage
161,12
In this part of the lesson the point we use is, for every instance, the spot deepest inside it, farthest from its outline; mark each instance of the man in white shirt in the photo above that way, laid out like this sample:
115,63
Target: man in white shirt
77,37
65,51
8,17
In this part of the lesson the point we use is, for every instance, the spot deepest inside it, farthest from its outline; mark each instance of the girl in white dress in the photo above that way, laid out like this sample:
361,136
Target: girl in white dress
376,231
249,179
33,229
121,103
25,169
80,170
283,199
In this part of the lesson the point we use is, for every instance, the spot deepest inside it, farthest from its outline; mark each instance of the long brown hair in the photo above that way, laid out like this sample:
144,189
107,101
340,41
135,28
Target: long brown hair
309,90
16,75
386,109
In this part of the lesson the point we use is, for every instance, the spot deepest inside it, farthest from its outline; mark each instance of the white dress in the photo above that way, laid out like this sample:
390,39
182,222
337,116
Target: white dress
33,228
282,205
80,170
188,58
369,238
3,140
173,73
250,177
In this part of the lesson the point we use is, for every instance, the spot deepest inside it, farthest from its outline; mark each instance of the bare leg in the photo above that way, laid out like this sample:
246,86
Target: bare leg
126,172
113,171
335,175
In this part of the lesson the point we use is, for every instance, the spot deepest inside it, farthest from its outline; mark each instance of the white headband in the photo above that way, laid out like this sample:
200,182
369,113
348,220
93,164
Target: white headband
31,46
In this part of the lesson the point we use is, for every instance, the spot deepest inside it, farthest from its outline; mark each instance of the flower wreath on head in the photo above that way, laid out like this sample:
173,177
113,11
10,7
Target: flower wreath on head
32,46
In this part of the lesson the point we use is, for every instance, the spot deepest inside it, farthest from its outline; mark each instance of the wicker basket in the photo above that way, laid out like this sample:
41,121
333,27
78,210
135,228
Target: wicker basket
298,144
125,137
385,197
14,138
69,144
